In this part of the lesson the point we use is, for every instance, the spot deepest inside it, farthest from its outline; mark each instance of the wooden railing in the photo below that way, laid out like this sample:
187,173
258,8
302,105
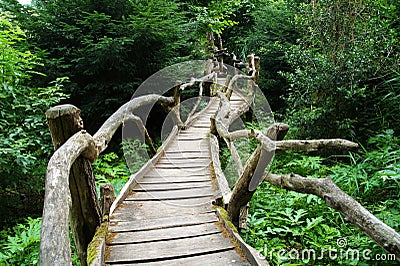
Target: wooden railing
70,197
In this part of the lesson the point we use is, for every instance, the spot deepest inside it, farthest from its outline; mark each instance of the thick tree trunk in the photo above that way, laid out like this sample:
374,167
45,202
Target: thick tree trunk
64,121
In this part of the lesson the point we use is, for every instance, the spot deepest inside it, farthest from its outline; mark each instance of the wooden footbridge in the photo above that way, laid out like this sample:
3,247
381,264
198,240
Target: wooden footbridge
178,208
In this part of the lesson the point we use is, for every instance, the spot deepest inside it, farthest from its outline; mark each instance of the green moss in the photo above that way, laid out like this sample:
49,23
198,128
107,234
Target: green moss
94,245
226,219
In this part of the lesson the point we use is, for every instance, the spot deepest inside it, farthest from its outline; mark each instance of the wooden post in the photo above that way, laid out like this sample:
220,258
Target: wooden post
107,198
64,121
176,106
252,173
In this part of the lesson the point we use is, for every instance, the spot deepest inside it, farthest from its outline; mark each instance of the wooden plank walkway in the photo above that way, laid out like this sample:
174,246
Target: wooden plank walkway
169,218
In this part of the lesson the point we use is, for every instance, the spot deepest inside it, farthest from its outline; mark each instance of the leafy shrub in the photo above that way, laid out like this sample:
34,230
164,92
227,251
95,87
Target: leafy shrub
23,247
20,245
115,169
338,65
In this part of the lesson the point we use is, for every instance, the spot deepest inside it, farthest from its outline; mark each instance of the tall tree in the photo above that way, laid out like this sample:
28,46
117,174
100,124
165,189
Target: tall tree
107,48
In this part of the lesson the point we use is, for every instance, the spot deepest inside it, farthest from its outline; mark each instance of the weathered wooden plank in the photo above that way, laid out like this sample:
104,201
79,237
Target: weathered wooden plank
187,138
170,186
134,211
226,258
187,193
188,164
180,161
163,234
168,249
187,153
189,145
173,179
179,172
186,156
162,222
192,152
175,173
177,190
190,133
200,126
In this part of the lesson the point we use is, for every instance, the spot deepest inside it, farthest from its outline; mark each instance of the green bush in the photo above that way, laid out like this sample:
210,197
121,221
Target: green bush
20,245
339,66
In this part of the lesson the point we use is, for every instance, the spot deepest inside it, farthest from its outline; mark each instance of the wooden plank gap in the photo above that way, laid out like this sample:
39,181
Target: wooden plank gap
170,258
161,240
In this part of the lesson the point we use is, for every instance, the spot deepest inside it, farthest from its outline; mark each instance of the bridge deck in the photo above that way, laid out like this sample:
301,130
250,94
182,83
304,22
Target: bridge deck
169,218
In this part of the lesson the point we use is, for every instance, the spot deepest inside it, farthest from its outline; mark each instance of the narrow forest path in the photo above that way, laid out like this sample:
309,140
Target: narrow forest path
169,218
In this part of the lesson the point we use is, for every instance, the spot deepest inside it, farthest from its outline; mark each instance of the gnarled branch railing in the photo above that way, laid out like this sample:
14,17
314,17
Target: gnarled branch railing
272,141
55,246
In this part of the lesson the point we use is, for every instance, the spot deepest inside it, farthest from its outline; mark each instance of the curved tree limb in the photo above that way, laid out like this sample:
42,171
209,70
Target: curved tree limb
107,130
144,131
315,144
326,189
55,244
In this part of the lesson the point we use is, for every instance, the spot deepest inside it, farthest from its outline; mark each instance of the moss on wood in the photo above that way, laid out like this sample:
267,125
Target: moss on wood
95,246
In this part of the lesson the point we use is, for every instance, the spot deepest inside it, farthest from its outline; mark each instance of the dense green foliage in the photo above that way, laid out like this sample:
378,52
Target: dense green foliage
25,143
22,244
107,49
345,53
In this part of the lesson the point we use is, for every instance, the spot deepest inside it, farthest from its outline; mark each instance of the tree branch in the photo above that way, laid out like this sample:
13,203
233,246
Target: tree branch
107,130
326,189
315,145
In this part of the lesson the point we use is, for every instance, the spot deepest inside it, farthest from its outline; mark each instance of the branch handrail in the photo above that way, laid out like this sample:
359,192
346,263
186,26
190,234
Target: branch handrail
54,245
